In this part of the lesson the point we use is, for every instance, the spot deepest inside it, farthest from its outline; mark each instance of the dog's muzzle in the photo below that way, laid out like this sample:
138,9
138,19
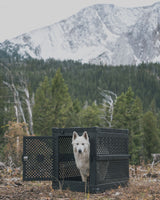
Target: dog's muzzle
79,151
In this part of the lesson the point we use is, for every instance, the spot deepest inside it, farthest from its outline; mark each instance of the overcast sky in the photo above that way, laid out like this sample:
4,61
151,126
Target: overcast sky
21,16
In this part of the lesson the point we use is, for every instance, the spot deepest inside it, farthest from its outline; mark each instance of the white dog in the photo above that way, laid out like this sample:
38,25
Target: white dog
81,150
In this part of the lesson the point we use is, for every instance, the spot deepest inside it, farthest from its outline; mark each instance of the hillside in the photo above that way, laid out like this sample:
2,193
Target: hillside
85,80
99,34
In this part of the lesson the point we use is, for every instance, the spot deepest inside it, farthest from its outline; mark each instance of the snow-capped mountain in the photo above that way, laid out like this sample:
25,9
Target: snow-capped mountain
103,34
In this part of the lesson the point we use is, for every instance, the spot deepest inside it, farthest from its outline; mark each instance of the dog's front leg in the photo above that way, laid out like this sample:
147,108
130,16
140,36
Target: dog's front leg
83,177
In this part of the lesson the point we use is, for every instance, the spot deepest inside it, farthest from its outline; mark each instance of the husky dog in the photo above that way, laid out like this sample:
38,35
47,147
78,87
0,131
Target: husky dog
81,150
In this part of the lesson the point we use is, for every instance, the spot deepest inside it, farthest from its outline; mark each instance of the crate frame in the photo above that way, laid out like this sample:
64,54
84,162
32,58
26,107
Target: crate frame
94,133
108,155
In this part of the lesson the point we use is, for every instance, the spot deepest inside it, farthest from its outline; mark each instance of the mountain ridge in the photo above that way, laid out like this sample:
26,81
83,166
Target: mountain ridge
99,34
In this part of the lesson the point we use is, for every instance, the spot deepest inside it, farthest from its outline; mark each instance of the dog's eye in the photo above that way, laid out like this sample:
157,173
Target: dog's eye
82,143
77,143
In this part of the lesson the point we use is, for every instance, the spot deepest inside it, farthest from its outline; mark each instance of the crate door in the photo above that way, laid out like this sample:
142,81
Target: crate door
37,158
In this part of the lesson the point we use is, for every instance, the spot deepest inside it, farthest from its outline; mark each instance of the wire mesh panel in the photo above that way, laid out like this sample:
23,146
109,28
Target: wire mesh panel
114,171
112,159
112,142
67,166
37,158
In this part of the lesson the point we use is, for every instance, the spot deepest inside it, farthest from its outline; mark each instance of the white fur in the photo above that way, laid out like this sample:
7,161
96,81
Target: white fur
81,150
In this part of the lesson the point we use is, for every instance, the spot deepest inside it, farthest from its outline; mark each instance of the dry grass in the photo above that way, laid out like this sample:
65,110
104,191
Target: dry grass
144,184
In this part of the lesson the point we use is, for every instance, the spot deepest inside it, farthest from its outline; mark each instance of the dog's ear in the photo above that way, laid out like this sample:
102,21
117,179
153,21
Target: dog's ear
85,135
75,135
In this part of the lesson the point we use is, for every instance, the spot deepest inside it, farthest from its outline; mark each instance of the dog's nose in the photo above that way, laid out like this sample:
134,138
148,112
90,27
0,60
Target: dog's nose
79,151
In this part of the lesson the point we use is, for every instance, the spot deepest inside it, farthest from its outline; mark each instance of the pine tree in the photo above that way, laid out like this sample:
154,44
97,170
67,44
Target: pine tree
74,115
136,133
53,105
61,101
127,115
151,141
119,120
41,109
90,116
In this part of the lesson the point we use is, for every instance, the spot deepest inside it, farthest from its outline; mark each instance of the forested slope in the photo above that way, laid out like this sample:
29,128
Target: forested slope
85,80
39,95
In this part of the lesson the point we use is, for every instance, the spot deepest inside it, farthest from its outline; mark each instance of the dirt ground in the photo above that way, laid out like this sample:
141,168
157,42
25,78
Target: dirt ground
144,184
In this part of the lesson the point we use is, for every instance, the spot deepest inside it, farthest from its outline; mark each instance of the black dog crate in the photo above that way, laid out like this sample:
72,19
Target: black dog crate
51,158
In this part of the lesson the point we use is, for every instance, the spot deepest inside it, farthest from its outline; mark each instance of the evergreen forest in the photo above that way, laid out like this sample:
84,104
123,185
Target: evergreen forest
36,95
